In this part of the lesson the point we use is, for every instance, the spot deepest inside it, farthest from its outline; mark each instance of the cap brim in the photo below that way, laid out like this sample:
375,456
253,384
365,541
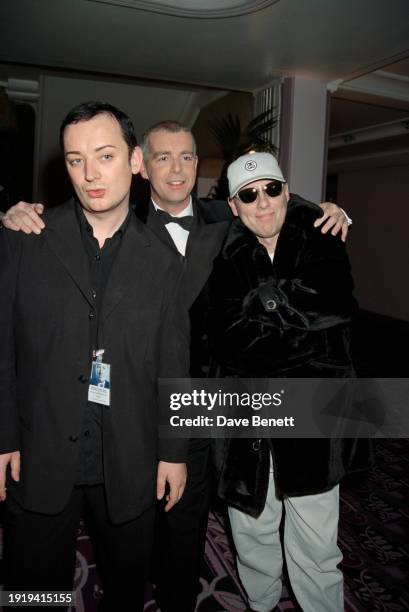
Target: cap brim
273,177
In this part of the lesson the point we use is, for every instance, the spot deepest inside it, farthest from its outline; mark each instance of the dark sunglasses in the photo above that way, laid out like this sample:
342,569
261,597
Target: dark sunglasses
250,194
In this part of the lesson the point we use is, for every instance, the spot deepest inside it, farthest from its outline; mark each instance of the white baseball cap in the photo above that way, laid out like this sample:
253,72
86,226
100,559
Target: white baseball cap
252,167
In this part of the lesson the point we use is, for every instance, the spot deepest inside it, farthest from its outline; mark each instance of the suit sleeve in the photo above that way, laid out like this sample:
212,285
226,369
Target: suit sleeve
9,256
174,357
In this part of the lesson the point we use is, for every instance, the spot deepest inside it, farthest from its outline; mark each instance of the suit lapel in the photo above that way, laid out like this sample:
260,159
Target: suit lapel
156,225
198,239
204,243
63,236
130,262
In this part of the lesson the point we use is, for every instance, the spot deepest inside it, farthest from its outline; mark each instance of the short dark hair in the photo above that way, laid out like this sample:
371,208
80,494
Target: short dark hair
169,125
89,110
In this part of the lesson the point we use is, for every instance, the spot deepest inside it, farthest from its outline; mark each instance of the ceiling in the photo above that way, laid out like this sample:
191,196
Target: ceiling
325,39
179,55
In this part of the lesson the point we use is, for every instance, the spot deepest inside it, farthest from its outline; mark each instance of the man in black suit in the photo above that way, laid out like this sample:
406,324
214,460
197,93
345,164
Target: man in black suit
96,287
195,231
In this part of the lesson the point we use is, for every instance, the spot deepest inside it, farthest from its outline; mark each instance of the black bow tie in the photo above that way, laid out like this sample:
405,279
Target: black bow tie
185,222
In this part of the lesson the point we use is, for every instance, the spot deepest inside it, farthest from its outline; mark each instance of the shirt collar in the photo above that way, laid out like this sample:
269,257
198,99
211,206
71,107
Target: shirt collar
85,226
185,212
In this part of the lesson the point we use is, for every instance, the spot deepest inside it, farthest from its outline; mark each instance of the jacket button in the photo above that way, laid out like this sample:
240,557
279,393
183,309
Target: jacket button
83,379
271,305
73,438
256,445
91,315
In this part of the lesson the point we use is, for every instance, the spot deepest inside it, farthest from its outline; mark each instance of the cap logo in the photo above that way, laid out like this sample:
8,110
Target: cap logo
250,165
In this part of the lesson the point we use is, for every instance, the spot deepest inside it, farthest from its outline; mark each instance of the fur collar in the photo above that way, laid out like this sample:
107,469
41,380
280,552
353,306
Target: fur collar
298,221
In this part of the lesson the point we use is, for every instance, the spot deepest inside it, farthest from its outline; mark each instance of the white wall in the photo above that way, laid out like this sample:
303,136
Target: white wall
303,141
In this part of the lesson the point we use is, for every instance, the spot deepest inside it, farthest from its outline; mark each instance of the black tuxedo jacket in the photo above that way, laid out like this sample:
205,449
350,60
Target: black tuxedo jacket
45,361
211,222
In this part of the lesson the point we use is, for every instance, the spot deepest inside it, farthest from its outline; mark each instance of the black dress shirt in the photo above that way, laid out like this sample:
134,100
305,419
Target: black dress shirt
90,466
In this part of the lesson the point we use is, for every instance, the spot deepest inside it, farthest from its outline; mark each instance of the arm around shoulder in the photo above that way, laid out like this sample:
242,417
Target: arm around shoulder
24,217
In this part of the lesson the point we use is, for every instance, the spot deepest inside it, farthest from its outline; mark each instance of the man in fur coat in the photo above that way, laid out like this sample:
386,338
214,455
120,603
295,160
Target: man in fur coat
279,301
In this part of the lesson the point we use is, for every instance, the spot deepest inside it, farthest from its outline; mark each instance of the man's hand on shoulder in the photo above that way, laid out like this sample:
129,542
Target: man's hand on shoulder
333,219
24,217
14,460
175,475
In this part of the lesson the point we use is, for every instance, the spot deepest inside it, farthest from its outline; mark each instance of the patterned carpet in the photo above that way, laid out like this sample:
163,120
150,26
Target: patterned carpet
374,537
374,533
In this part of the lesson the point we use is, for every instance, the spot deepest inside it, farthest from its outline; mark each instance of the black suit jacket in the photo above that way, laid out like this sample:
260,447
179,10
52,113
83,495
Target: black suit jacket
211,222
45,361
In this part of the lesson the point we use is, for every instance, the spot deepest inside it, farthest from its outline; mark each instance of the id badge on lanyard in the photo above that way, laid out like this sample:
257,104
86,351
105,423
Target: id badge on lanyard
99,390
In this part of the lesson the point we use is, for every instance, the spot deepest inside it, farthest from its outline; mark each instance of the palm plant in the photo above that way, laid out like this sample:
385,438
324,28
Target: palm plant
235,141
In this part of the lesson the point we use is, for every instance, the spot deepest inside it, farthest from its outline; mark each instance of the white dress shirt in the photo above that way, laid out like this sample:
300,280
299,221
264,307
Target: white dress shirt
178,234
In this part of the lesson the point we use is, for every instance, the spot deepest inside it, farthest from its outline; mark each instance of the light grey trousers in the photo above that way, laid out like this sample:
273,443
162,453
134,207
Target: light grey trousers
310,546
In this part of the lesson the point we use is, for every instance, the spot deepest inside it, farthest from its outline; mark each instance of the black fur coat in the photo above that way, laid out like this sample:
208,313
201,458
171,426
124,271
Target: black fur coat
288,318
